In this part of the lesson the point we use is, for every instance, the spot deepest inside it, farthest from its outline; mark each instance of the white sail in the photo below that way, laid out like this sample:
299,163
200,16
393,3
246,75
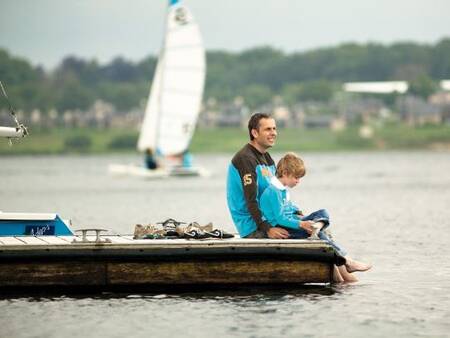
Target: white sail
177,88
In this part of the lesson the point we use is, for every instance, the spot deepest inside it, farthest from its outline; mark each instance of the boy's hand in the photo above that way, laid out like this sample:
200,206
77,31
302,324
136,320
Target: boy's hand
307,226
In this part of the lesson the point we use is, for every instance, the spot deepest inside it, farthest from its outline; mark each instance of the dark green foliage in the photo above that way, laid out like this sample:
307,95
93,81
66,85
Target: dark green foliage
351,139
422,86
256,95
73,96
16,71
256,74
122,142
78,143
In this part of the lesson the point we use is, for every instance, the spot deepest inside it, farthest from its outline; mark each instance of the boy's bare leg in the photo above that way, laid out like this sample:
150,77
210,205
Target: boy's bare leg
337,278
348,277
353,265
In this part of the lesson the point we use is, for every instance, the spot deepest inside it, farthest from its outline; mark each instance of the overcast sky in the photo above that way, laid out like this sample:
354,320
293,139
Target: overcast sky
45,31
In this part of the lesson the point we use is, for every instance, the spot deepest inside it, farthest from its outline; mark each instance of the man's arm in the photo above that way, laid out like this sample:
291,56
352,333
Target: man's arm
247,171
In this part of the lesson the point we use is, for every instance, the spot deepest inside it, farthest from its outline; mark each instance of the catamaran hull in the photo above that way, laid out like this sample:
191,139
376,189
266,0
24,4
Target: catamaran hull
138,171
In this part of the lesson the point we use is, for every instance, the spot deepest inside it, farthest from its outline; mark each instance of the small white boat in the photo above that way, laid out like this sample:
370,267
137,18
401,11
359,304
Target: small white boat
33,224
175,99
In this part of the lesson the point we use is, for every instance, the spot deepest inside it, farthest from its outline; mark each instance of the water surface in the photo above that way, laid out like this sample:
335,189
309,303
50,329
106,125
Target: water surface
391,209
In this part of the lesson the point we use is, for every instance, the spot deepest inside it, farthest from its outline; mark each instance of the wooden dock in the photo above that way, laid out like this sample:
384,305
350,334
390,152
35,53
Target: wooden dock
58,261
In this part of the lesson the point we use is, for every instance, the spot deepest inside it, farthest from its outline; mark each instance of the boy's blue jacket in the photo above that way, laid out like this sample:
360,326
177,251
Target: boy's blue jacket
249,174
277,207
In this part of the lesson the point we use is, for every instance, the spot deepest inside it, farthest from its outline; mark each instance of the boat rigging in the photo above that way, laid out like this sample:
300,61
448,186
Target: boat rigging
12,132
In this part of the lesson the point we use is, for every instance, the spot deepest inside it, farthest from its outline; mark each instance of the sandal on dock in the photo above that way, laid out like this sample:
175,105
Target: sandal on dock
206,227
217,233
147,232
171,227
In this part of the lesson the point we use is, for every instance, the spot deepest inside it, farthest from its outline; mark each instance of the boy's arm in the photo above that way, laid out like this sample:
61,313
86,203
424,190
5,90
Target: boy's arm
299,212
296,209
275,203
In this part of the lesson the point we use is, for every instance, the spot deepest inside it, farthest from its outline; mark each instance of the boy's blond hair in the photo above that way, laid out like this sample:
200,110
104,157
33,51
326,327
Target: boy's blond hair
291,164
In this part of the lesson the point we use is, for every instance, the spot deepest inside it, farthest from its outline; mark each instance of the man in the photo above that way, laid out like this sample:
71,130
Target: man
249,174
150,160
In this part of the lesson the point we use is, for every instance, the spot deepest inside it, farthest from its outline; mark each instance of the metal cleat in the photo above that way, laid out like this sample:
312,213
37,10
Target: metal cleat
84,238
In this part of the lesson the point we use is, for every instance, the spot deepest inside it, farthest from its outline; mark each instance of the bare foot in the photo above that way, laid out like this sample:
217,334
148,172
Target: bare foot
348,277
337,278
353,265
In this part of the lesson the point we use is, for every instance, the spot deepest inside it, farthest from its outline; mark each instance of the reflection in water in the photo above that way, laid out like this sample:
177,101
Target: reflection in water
236,293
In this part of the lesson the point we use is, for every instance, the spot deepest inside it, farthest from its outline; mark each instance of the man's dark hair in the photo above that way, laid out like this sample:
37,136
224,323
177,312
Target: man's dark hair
253,123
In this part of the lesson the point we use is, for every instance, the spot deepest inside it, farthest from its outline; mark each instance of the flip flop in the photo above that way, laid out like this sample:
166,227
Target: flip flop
147,232
170,227
206,227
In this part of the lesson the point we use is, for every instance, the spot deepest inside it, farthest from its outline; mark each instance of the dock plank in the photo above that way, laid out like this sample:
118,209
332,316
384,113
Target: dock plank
11,241
31,240
68,238
119,239
53,240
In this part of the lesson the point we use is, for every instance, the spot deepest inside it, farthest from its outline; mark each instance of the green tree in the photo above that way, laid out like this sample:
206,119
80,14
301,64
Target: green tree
255,95
440,64
124,96
292,93
257,74
422,86
319,90
72,95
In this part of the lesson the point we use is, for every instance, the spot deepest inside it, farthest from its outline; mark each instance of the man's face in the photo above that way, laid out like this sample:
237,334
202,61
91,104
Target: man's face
266,134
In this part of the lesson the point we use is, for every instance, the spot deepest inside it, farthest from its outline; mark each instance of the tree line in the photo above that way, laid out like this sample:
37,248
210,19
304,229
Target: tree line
257,75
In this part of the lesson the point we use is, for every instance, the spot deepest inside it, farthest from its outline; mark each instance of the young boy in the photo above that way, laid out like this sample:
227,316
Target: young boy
278,210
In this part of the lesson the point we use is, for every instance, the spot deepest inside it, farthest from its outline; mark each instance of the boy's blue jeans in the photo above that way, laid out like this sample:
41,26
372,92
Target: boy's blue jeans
317,216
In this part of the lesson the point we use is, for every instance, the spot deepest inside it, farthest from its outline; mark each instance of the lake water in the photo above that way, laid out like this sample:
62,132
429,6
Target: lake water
391,209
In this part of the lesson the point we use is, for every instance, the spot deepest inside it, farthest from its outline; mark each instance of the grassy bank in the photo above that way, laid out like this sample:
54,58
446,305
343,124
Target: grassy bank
60,141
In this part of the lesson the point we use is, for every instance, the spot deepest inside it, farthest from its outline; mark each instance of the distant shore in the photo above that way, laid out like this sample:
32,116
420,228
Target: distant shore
225,140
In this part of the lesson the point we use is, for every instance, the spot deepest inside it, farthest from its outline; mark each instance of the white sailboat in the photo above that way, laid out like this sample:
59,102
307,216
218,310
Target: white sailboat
175,97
